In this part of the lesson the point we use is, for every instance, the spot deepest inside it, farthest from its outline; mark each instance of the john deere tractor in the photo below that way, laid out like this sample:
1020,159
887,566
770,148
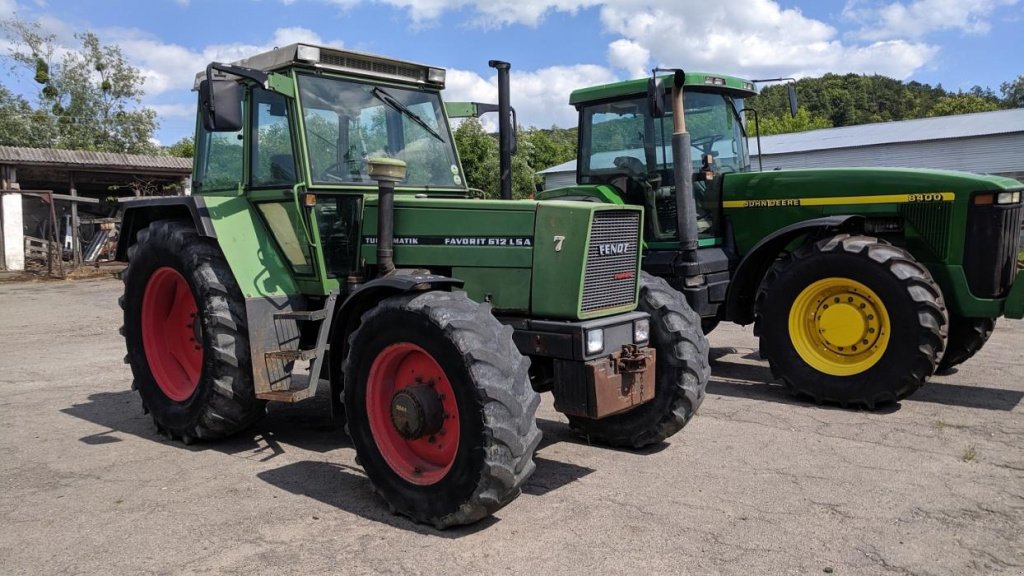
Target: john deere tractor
331,241
860,282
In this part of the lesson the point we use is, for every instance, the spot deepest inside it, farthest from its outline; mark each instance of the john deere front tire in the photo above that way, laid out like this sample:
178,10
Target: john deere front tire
682,372
851,320
185,330
440,407
966,337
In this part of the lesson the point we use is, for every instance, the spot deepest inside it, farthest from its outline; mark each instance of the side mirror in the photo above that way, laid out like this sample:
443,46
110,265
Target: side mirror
792,99
655,98
221,105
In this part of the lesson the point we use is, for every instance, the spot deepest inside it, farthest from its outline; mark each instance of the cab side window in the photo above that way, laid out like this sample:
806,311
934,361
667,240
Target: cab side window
220,159
272,158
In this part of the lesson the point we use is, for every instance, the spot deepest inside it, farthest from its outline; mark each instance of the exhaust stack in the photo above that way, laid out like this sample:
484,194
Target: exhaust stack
387,172
505,137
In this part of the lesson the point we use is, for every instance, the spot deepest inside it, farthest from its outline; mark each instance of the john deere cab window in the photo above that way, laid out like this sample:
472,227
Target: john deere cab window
348,122
624,146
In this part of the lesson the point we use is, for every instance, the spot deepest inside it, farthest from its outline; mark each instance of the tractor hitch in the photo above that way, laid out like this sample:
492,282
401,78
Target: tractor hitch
609,385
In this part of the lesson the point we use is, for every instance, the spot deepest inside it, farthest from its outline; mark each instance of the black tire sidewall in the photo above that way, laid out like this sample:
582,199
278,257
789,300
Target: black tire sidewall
150,256
440,499
904,324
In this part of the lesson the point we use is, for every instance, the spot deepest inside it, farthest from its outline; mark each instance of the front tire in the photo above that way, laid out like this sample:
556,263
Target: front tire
851,320
682,372
186,333
440,407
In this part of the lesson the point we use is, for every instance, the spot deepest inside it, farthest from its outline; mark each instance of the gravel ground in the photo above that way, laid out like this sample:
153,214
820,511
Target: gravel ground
758,483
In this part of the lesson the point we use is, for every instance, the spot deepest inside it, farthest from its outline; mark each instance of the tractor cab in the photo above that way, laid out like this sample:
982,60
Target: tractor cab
626,143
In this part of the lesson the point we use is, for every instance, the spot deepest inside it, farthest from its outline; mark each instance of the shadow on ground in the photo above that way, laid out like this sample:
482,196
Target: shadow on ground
754,381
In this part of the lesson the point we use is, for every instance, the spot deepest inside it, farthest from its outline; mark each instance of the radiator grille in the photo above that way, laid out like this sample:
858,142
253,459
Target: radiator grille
931,220
990,252
611,273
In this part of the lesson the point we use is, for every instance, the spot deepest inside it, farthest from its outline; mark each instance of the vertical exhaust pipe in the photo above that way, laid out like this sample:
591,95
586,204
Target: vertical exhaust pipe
387,172
504,128
682,170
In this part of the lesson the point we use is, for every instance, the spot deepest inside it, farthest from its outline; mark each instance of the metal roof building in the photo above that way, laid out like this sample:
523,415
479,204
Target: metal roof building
985,142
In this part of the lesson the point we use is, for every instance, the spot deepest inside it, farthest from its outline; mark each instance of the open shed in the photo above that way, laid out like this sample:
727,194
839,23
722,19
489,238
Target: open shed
83,184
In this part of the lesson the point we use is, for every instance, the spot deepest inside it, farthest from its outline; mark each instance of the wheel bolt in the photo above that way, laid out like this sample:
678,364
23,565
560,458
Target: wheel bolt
836,300
871,316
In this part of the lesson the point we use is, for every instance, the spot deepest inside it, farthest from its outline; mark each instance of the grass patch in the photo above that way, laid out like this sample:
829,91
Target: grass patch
969,454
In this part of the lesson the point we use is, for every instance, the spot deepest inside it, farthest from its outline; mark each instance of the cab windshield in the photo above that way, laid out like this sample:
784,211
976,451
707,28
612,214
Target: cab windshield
347,122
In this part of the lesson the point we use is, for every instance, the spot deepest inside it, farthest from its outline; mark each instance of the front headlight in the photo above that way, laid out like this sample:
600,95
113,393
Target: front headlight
595,341
1008,198
642,331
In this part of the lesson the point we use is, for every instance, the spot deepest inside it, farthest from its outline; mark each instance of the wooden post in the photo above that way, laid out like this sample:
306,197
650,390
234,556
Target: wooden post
76,247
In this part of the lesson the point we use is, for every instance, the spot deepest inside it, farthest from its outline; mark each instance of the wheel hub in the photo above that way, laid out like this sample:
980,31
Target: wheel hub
839,326
417,411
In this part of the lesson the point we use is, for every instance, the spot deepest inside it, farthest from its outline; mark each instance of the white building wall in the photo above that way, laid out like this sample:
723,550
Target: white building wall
14,234
559,179
993,154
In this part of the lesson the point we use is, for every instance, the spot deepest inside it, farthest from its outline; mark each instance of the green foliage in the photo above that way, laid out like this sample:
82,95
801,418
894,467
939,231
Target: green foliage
184,148
20,125
962,104
851,99
784,124
537,149
1013,92
89,98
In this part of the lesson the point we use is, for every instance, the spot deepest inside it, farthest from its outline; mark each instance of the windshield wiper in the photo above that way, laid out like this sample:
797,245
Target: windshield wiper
390,100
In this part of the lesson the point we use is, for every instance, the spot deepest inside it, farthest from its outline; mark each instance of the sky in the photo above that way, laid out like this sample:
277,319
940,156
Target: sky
554,45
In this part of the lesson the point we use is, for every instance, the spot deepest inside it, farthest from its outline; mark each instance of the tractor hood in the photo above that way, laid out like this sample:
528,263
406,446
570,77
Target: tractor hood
846,186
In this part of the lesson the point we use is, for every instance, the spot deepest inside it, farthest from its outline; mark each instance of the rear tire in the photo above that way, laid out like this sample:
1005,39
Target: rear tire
456,347
194,379
966,337
882,338
682,372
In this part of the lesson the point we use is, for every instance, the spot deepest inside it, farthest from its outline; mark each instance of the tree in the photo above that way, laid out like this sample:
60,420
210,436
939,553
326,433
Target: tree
90,97
962,104
184,148
20,125
478,152
1013,93
785,123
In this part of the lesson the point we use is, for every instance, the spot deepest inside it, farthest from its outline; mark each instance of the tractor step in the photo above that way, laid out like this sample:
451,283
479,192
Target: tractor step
292,355
302,315
301,390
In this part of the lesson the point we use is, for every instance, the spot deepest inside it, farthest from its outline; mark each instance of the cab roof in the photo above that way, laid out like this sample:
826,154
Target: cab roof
731,85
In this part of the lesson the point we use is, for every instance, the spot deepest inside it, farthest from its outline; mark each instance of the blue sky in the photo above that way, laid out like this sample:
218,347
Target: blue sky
554,45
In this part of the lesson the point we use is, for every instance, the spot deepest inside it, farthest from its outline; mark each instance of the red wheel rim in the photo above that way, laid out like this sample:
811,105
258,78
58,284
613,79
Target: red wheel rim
422,461
170,334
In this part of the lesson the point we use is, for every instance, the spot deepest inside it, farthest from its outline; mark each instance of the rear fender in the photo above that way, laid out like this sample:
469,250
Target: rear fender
137,213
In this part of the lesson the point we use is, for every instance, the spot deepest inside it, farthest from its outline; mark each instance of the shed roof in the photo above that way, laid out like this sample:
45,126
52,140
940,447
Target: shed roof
86,160
918,130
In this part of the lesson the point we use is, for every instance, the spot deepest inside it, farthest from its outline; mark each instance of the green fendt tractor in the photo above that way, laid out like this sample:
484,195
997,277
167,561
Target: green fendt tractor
860,282
331,238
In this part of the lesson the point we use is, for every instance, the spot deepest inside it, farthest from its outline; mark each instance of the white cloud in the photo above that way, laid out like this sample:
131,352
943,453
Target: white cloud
917,18
630,56
8,7
540,97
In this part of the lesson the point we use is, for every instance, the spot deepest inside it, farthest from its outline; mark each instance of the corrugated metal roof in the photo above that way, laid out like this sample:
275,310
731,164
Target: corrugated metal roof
86,159
919,130
569,166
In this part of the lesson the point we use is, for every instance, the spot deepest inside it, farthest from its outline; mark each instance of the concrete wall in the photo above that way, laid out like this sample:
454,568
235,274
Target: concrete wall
14,235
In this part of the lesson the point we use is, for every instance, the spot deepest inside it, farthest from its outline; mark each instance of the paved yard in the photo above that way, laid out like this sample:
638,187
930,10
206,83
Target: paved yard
758,483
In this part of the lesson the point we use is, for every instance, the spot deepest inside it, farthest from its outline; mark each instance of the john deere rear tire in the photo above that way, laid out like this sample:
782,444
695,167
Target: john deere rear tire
851,320
966,337
185,330
440,408
682,372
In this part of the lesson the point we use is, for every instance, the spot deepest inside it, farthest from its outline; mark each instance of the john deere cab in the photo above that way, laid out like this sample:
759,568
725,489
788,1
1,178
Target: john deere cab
331,241
860,282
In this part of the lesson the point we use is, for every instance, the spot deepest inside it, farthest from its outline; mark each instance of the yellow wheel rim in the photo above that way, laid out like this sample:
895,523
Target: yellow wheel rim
839,326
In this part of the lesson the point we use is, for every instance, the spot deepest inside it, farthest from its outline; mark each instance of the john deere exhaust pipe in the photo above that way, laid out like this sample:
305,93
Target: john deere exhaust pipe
504,128
682,170
387,172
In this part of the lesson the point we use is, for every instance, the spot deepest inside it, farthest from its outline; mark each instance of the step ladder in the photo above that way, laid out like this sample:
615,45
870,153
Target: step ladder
299,386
